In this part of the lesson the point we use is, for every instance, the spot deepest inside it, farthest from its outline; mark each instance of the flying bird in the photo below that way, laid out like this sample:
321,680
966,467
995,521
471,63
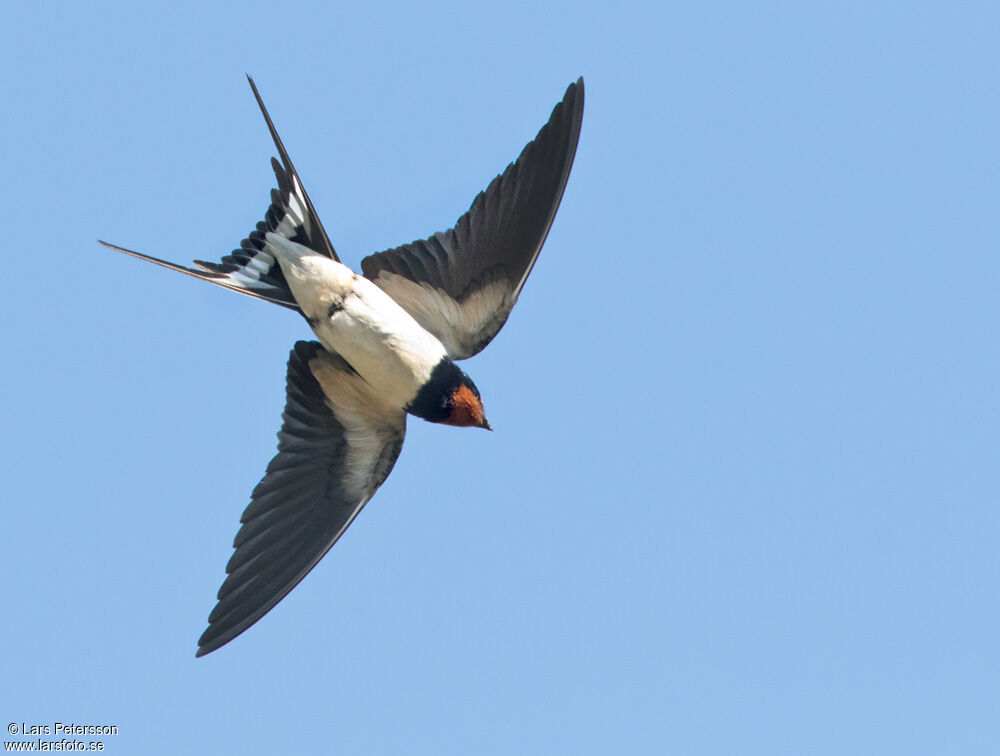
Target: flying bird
387,345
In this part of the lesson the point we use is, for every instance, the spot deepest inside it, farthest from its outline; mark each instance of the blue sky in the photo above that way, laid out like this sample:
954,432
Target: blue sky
743,492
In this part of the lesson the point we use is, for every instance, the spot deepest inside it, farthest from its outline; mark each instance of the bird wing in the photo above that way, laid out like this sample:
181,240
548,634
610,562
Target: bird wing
252,269
336,446
461,284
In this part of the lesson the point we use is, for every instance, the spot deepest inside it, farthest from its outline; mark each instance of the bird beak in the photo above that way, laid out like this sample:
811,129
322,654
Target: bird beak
486,424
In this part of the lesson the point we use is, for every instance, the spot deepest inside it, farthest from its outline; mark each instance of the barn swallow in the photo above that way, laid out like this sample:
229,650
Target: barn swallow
388,343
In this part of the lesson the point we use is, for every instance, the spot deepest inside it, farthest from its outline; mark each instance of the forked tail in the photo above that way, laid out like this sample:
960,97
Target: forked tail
252,269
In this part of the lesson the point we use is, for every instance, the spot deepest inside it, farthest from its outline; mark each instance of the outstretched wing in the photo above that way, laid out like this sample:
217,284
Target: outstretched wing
252,269
336,446
461,284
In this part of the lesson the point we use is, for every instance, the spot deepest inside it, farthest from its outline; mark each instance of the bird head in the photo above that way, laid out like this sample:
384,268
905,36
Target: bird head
465,407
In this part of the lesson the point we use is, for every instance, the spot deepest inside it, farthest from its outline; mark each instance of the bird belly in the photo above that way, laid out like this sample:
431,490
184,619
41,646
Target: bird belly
356,319
380,340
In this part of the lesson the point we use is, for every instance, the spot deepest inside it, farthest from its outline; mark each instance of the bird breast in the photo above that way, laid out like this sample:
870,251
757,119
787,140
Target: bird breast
354,318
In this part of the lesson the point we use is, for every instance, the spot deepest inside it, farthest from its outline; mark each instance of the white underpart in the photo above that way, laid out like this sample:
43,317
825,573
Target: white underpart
377,337
457,325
